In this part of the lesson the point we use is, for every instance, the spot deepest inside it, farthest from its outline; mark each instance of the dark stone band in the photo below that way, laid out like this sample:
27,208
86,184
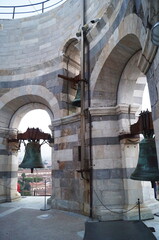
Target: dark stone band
99,174
8,174
3,152
105,141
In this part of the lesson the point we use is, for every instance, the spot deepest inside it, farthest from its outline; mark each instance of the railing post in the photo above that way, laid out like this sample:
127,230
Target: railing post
45,203
42,7
138,202
13,12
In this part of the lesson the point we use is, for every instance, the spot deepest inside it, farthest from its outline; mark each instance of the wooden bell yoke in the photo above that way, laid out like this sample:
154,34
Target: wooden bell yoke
31,134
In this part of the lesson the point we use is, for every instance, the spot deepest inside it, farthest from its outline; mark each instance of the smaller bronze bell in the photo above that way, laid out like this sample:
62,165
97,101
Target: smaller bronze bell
147,166
32,158
77,101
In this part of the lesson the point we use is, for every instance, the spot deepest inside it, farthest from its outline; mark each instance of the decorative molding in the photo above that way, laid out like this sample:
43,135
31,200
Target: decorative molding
65,120
119,109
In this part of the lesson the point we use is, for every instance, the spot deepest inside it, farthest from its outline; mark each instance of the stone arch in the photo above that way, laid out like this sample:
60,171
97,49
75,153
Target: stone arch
71,65
123,49
18,97
71,56
130,92
132,83
123,44
112,70
19,114
14,105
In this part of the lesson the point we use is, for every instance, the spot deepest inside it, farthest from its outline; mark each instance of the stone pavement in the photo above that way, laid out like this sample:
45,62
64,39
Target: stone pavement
23,220
26,220
155,224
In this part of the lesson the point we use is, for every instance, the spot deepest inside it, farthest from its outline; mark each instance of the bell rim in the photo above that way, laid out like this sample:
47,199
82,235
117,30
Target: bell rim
141,178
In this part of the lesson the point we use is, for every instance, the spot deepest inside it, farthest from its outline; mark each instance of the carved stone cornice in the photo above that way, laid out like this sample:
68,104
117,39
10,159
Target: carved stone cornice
65,120
119,109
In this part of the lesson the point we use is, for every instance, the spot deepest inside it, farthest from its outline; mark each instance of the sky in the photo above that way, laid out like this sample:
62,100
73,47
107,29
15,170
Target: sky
146,100
35,118
26,9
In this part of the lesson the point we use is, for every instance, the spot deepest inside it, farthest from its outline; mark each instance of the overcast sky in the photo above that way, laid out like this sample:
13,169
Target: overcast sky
146,100
35,118
19,2
25,2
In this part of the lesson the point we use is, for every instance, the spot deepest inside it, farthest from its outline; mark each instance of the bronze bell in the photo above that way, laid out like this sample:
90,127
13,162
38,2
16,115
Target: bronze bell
147,167
77,101
32,158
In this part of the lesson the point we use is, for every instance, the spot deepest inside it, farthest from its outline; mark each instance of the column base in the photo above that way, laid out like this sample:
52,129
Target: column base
64,205
3,199
14,197
147,211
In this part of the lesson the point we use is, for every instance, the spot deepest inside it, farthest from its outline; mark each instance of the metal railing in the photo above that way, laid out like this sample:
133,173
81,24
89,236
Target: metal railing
26,9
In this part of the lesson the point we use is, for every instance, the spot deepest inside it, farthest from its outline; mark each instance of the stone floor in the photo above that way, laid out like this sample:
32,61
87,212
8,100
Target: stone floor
30,219
155,224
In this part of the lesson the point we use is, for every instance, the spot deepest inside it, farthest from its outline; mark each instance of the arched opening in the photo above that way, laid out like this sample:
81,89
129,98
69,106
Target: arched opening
33,184
117,97
111,71
16,104
133,93
71,62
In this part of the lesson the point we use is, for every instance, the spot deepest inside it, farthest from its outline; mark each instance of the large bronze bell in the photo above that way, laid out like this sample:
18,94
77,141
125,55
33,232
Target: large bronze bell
32,158
77,101
147,167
